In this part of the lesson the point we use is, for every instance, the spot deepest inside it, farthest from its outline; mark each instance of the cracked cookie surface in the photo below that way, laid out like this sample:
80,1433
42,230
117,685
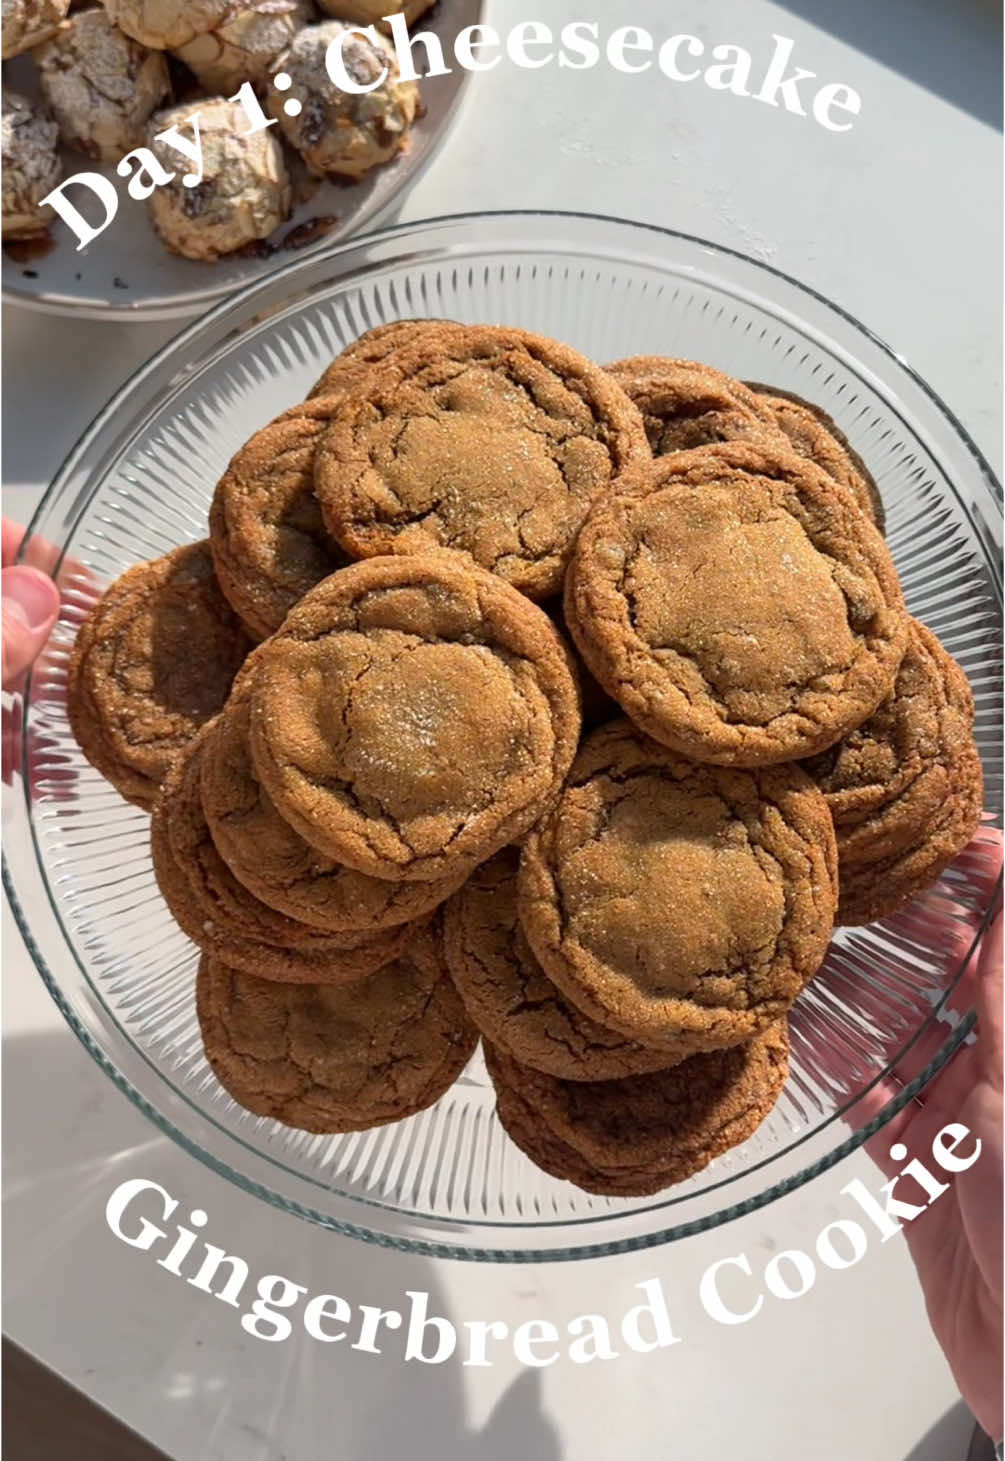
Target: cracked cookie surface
813,434
269,543
275,863
685,404
686,905
905,789
413,715
327,1059
153,661
220,915
491,441
371,347
738,604
635,1136
510,998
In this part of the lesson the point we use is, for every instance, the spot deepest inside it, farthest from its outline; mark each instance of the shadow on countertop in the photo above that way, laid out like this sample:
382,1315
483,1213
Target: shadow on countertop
953,50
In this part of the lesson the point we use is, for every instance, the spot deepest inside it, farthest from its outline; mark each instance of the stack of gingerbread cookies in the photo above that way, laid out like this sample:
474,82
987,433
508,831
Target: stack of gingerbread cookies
520,699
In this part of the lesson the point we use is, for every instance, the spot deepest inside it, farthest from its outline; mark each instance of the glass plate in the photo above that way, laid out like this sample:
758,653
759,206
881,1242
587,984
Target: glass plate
78,872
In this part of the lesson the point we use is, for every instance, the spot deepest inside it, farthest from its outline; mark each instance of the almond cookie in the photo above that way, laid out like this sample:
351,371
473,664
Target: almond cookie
413,715
633,1137
269,544
153,660
685,404
373,346
492,441
223,918
275,863
813,434
738,604
327,1059
905,790
684,905
512,1001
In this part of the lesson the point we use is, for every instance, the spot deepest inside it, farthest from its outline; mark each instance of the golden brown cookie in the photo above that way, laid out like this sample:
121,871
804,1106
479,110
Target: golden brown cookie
738,604
153,660
813,434
373,346
220,915
685,404
323,1058
633,1137
512,1001
491,441
269,543
413,715
905,789
275,863
685,905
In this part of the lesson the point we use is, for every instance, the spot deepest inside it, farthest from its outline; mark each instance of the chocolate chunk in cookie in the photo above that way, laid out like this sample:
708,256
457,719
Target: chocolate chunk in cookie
220,915
413,715
813,434
905,789
636,1136
153,661
685,404
276,864
510,998
738,605
492,441
269,544
327,1059
684,905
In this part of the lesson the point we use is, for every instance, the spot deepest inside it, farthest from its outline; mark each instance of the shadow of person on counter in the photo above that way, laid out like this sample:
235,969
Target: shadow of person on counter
174,1363
951,50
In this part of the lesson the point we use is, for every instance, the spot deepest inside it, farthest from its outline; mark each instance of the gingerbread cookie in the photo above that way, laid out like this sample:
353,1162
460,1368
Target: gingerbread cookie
269,544
153,661
413,715
327,1059
220,915
685,404
492,441
633,1137
813,434
906,789
371,347
275,863
512,1001
738,604
684,905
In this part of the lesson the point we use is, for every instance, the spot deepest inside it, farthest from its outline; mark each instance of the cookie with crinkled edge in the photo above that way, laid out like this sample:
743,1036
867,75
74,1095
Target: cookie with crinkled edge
481,439
372,346
413,715
905,789
324,1058
152,662
274,862
685,905
635,1136
738,604
814,434
224,919
512,1001
269,544
685,404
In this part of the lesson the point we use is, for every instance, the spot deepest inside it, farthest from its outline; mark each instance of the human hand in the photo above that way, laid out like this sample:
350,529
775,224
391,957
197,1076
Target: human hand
956,1243
30,608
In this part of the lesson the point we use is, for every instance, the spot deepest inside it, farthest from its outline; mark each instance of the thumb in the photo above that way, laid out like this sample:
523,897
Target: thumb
30,608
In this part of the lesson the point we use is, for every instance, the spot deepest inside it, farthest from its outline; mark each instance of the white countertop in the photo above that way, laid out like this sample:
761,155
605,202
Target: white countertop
897,221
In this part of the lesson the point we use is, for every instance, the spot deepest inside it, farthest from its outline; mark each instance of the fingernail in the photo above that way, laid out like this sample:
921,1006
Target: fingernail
29,596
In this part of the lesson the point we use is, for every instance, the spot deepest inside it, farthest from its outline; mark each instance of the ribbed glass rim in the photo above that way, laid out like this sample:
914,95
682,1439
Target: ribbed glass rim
245,310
